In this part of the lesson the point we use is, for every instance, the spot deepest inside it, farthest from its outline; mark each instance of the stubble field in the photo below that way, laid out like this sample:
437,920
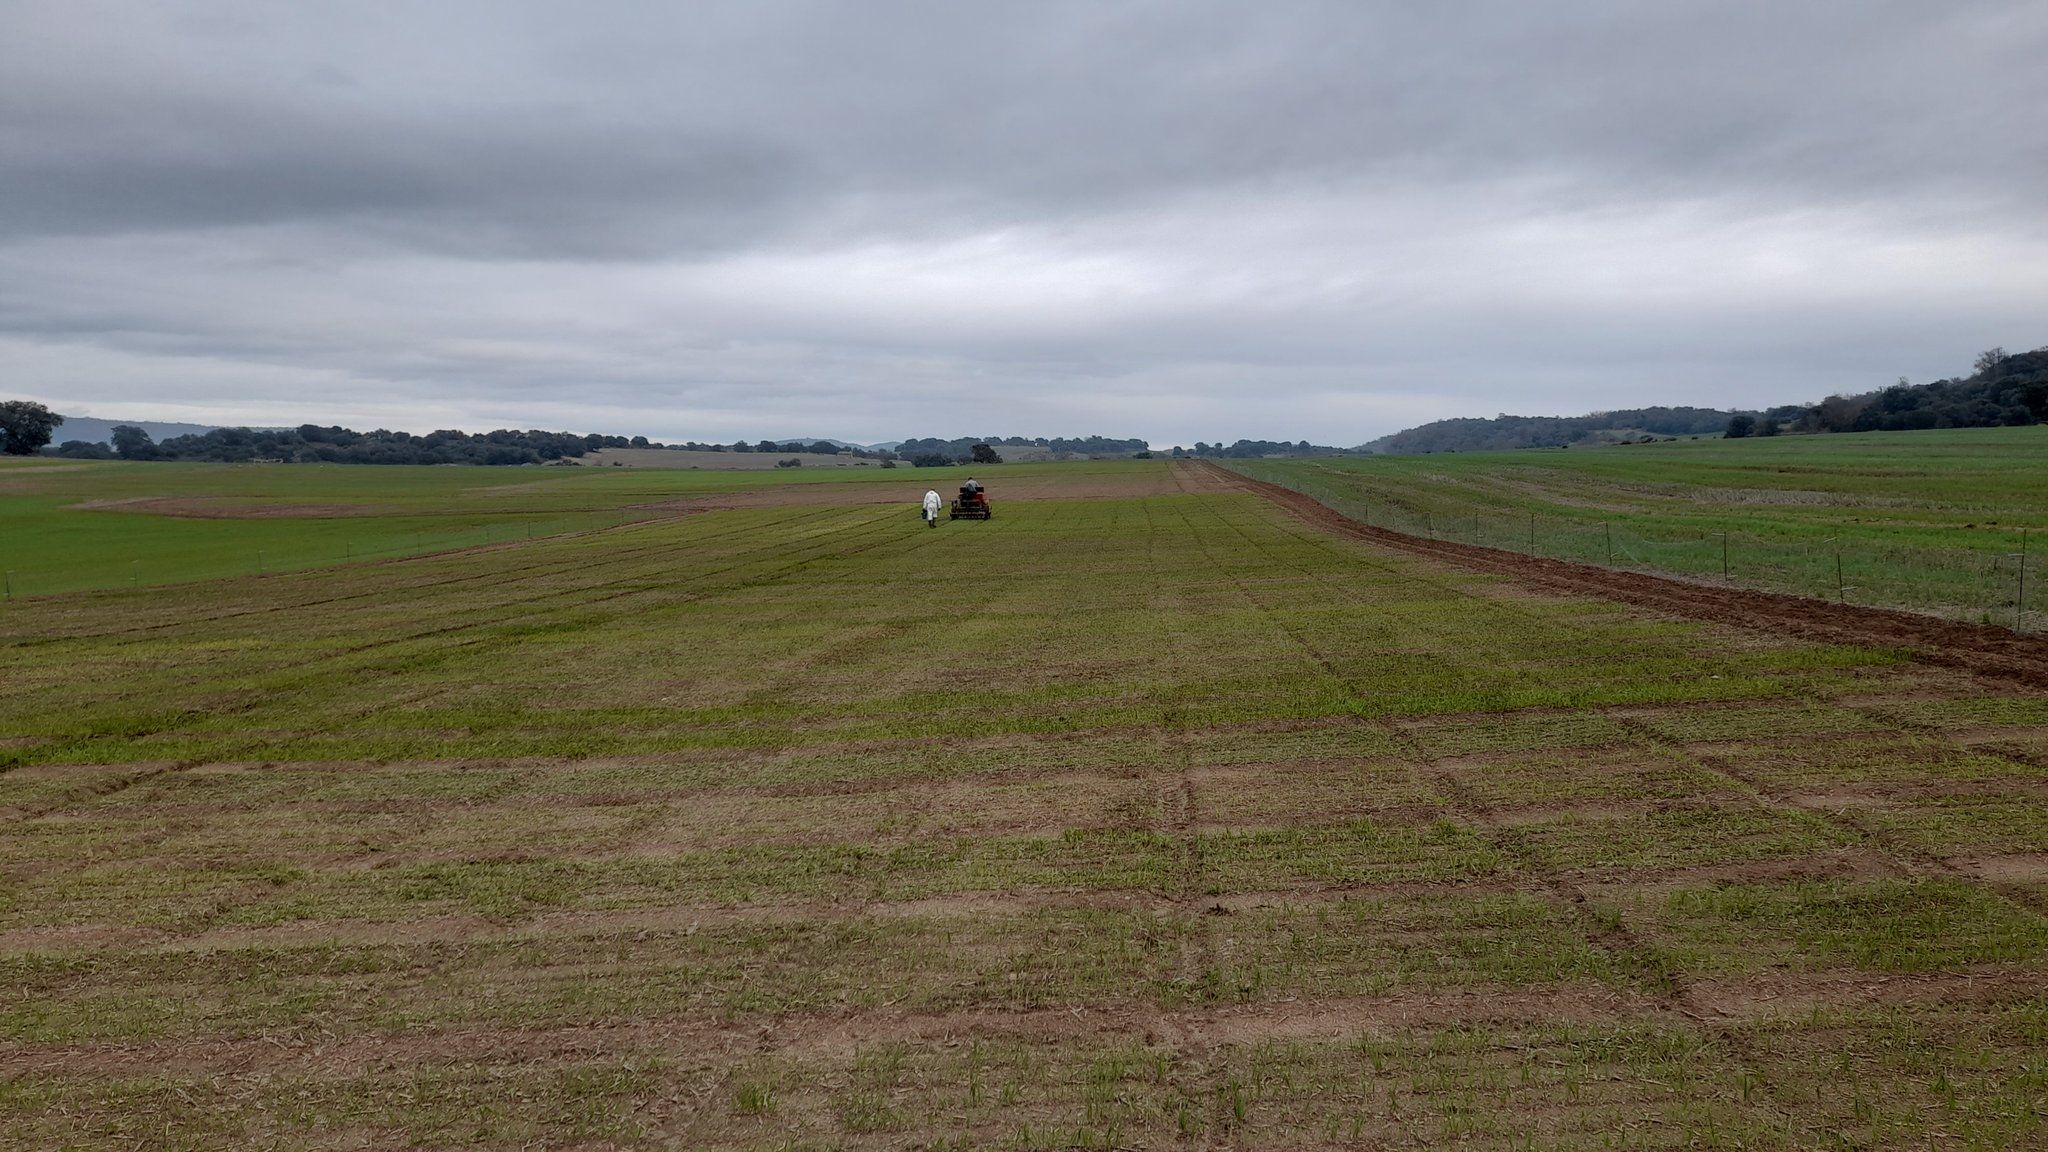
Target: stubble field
1143,815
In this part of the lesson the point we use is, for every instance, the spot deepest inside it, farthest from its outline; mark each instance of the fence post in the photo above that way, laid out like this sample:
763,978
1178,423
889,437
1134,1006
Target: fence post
1608,526
1724,557
1429,525
259,561
1532,533
1841,594
2019,605
10,585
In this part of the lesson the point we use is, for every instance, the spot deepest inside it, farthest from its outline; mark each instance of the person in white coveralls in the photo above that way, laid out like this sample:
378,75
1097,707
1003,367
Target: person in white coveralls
931,508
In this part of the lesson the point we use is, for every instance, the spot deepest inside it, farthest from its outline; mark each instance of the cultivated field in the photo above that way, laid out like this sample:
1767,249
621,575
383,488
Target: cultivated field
1143,815
1932,521
67,526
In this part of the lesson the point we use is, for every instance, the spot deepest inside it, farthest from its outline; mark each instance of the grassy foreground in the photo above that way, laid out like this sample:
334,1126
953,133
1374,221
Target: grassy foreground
1933,521
1137,816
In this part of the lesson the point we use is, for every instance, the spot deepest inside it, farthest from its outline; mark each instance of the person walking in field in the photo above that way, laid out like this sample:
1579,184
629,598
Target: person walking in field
931,508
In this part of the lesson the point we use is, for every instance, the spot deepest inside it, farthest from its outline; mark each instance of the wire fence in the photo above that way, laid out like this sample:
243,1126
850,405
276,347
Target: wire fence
1989,586
165,565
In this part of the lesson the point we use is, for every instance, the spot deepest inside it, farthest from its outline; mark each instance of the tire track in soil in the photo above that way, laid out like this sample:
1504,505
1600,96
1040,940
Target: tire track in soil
1910,860
1197,1070
1977,648
1670,991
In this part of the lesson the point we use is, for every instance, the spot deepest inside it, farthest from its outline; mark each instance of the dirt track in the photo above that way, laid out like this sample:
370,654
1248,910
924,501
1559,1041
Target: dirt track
1975,648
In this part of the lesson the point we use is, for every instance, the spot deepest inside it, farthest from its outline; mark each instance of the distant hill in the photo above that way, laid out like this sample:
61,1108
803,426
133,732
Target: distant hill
93,430
2004,390
1472,434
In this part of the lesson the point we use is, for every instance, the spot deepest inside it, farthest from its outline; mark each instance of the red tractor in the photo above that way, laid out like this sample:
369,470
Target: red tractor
971,504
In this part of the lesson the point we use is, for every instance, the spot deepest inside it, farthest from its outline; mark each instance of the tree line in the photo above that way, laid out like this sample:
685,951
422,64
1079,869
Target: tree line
2004,390
311,444
1257,449
27,428
961,450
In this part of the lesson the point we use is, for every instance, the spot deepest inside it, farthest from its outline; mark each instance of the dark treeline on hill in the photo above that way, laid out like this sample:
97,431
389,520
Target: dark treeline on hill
1472,434
310,443
1259,449
961,450
2004,390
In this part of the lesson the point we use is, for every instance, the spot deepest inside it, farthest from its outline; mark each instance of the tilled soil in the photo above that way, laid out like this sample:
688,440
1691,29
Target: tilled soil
1977,648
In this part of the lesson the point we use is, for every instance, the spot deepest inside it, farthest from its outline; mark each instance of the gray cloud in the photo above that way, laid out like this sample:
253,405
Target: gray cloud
1170,219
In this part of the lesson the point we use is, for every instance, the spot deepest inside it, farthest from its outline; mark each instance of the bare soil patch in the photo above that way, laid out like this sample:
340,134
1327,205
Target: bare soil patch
1779,994
1475,1004
2023,868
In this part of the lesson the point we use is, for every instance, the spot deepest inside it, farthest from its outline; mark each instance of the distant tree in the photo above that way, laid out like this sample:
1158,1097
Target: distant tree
639,441
1988,362
766,446
825,448
1765,426
132,443
1145,455
25,426
931,460
983,454
792,462
84,450
1739,425
888,463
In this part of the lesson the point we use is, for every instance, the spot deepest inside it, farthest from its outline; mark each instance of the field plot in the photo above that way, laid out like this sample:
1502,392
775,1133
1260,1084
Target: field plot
1937,521
1150,817
67,526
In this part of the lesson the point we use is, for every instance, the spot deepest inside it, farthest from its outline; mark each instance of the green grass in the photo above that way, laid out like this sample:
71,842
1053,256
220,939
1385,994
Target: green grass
1140,819
68,526
1932,521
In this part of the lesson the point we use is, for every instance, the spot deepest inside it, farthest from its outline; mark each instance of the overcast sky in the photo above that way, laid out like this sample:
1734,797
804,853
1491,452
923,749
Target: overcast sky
1175,220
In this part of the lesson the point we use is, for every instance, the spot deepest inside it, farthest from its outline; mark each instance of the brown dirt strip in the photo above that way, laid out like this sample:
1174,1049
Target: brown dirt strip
1762,996
1845,864
843,1036
1976,648
838,1036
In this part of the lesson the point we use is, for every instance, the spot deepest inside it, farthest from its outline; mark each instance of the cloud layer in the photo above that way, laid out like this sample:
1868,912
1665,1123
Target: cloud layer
1175,220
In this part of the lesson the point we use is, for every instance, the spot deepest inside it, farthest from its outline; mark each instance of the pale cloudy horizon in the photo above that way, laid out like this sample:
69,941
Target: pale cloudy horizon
1186,221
